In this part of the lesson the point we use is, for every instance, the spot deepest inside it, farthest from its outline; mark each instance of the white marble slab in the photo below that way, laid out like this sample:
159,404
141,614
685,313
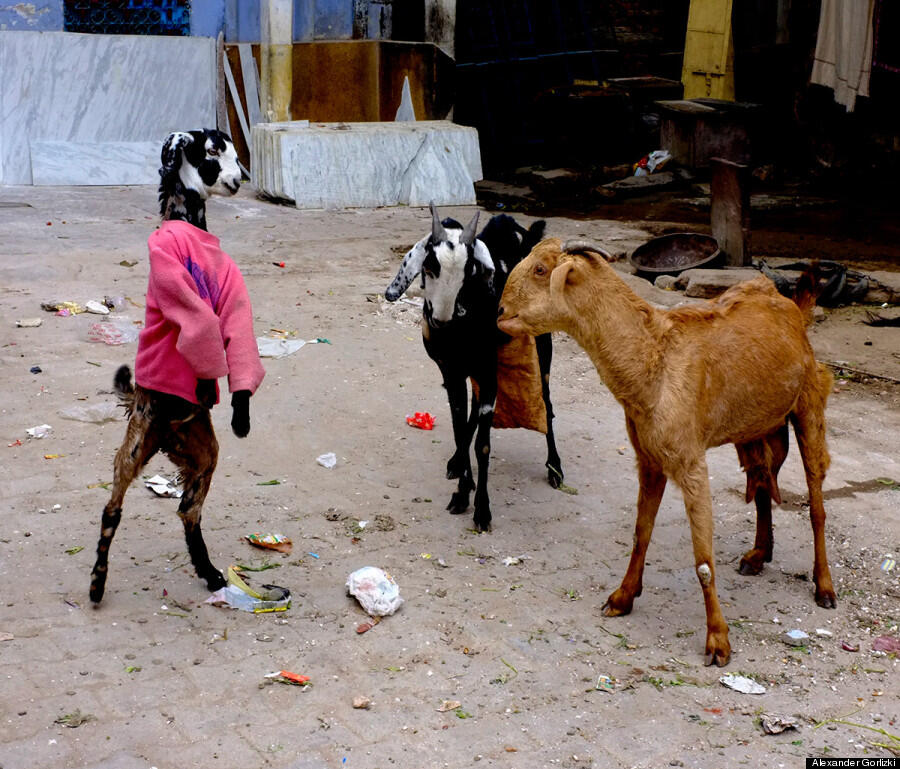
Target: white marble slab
337,165
64,86
55,163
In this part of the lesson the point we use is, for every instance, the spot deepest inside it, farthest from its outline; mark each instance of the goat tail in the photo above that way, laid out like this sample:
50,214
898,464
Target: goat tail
580,245
807,290
124,388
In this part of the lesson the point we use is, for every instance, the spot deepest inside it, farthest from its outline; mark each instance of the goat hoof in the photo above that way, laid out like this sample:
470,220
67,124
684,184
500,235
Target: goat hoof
458,504
554,476
613,609
215,581
751,564
826,599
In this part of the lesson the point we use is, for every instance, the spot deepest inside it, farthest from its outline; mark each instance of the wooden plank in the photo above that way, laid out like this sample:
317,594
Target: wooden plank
250,75
236,98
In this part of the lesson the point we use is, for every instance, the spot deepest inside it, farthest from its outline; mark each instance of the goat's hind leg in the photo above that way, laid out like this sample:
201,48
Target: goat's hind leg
140,444
545,358
194,449
808,419
761,461
487,397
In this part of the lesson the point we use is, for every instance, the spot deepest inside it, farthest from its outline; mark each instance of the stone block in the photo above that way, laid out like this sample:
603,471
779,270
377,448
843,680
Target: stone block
706,284
641,185
337,165
884,287
61,163
62,86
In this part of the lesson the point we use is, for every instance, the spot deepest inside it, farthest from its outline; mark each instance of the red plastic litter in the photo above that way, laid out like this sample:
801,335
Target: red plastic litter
421,419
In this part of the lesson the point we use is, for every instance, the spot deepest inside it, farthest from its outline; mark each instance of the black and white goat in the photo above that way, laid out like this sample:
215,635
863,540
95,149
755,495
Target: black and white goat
195,165
463,278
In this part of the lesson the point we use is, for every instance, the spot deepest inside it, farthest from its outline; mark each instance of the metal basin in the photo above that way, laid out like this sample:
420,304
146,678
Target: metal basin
672,254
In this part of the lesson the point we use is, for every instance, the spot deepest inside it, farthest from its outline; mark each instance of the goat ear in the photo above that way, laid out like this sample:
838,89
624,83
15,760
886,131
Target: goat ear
562,275
171,151
483,256
409,268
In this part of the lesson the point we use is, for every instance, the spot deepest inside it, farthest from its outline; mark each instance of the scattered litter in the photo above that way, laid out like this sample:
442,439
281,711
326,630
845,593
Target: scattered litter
514,560
365,627
278,264
162,487
237,594
113,332
273,482
16,442
448,705
823,633
36,370
886,643
651,163
74,550
39,431
376,590
98,308
29,322
6,637
270,542
114,302
127,263
795,638
328,460
314,555
62,308
279,347
421,419
888,564
287,677
53,456
773,724
605,684
97,413
362,703
74,719
849,647
742,684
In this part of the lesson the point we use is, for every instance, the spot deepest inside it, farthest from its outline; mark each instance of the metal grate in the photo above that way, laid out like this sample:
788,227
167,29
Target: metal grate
128,17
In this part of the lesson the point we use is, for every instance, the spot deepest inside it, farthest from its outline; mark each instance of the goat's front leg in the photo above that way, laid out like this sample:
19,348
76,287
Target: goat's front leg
460,465
545,357
653,484
694,482
487,396
195,450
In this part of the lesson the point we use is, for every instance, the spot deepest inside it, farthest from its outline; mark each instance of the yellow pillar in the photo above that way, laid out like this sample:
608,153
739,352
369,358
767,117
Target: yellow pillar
708,69
276,59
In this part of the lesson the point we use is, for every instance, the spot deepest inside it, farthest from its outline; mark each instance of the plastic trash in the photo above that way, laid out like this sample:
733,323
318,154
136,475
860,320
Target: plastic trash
237,594
287,677
113,332
773,724
98,308
39,431
62,308
421,419
328,460
375,590
278,348
162,487
886,643
796,638
651,163
28,322
98,413
742,684
270,542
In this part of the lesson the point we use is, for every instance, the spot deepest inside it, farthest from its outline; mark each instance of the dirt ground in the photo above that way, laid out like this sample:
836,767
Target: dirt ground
541,678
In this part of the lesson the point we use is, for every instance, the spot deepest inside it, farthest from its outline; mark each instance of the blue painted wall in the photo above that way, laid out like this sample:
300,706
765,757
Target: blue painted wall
46,16
207,18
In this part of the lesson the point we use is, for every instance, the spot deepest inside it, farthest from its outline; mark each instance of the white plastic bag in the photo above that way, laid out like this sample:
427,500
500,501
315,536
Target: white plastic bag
376,591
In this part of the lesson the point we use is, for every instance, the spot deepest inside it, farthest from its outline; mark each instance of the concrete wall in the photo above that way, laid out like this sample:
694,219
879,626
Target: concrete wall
440,24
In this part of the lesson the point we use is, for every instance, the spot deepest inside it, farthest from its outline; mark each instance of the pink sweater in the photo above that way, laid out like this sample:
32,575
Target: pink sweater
199,323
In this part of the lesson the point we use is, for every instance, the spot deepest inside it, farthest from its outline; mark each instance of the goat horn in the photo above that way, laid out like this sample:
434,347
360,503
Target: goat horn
468,235
438,235
579,245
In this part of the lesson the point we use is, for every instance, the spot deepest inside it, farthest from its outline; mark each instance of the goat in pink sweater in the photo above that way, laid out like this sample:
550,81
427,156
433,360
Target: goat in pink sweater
198,327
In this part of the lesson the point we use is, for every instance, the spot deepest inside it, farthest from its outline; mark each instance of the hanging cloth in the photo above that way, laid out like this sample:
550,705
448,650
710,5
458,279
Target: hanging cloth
843,60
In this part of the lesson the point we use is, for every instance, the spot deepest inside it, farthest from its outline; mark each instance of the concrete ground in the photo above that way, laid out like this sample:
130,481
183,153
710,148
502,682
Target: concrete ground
156,678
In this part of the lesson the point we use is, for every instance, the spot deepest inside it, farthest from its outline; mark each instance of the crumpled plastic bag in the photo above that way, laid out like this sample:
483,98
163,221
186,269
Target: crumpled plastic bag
375,590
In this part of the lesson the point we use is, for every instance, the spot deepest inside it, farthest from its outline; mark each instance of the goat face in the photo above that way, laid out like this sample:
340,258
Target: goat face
448,259
533,301
204,162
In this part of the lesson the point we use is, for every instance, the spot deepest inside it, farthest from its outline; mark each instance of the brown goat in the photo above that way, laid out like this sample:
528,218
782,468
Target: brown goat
733,370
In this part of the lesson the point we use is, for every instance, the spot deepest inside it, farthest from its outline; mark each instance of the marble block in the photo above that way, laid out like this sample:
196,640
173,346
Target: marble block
58,163
64,86
337,165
